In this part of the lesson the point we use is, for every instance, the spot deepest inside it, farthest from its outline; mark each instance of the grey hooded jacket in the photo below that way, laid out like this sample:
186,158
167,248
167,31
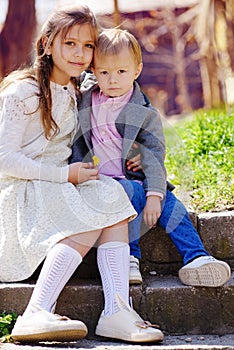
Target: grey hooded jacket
138,123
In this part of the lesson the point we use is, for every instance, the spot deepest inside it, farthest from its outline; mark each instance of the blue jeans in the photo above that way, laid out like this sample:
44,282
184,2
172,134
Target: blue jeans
136,194
174,220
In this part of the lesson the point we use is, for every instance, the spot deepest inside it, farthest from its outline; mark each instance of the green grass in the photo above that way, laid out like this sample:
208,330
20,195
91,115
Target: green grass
200,160
7,321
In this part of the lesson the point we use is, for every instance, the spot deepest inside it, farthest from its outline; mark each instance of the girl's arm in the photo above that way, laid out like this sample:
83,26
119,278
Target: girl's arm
81,172
14,121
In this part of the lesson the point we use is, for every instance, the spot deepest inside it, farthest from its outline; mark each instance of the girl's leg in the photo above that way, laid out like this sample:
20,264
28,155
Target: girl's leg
38,323
113,264
118,320
60,264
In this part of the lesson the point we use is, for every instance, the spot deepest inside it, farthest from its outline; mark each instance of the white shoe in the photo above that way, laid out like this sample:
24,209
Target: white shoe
45,326
134,271
205,271
127,325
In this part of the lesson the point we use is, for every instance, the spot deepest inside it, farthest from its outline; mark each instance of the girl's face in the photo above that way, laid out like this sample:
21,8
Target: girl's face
116,73
73,54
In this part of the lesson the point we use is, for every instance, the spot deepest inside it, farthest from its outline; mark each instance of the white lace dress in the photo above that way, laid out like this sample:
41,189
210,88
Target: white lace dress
38,207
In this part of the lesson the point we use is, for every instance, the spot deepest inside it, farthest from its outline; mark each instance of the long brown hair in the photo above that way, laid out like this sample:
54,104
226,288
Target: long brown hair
61,20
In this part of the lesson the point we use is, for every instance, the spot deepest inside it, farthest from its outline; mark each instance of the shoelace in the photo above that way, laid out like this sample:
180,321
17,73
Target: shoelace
146,324
62,318
134,264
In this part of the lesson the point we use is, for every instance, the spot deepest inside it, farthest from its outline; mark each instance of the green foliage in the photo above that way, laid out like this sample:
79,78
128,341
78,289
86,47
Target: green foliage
7,322
200,159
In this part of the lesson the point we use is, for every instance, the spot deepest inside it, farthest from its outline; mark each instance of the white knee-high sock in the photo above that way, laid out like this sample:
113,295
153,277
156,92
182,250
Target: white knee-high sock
59,266
113,264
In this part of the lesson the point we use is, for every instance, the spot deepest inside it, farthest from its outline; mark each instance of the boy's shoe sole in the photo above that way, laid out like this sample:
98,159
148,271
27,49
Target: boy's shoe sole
211,273
134,271
135,281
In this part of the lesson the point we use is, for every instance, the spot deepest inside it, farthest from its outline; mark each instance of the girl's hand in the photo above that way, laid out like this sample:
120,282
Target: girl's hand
152,210
81,172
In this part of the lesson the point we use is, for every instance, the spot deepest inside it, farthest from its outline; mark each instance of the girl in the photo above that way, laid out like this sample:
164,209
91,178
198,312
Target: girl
54,211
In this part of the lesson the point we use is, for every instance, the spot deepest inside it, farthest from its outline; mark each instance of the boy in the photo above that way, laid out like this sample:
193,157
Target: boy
114,114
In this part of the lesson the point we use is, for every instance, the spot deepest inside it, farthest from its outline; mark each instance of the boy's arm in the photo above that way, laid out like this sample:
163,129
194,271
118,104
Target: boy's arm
152,210
152,148
151,144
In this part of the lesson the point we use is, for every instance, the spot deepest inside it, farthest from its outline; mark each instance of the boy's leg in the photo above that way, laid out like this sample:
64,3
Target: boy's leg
136,195
177,223
200,268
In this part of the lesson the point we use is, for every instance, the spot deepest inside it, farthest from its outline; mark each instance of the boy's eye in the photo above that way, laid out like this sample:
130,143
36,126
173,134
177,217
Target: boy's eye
122,71
104,72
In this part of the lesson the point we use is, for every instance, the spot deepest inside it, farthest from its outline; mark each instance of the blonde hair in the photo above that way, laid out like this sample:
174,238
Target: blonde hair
61,20
111,41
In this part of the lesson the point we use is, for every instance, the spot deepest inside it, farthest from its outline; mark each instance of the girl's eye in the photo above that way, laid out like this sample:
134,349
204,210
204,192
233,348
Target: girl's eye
90,46
70,43
104,72
121,71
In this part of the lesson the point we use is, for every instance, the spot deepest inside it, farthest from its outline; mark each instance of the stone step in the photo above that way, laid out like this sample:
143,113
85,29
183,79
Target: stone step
162,300
176,342
217,234
160,255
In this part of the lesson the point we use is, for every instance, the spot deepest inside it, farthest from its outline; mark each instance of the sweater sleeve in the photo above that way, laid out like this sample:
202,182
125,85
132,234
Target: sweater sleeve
152,147
14,120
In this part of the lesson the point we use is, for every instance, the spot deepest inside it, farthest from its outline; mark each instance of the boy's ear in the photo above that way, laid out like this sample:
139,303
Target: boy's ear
138,70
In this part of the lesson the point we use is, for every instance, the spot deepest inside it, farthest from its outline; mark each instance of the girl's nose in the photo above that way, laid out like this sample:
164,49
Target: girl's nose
79,51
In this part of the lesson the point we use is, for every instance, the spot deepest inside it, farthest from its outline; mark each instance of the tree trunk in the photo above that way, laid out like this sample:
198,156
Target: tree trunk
17,36
182,99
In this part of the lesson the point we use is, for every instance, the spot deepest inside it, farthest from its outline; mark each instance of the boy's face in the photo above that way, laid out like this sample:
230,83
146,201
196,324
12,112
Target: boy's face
116,73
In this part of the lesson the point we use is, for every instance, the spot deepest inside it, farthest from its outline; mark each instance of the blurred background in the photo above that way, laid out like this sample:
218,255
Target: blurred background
188,45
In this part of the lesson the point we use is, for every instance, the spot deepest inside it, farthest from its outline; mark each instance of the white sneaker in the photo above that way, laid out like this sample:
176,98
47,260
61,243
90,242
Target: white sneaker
134,271
45,326
127,325
205,271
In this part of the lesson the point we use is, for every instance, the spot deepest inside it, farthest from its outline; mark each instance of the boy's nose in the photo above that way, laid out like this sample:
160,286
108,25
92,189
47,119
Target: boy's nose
112,78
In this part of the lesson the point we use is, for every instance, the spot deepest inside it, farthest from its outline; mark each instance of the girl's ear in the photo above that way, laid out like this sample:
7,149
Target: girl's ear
138,70
45,45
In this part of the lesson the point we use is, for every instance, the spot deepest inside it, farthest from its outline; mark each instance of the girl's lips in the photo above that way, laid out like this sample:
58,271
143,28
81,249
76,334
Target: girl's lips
77,64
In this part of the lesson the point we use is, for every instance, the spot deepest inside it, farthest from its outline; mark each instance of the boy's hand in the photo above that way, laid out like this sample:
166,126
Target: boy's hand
134,163
81,172
152,210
